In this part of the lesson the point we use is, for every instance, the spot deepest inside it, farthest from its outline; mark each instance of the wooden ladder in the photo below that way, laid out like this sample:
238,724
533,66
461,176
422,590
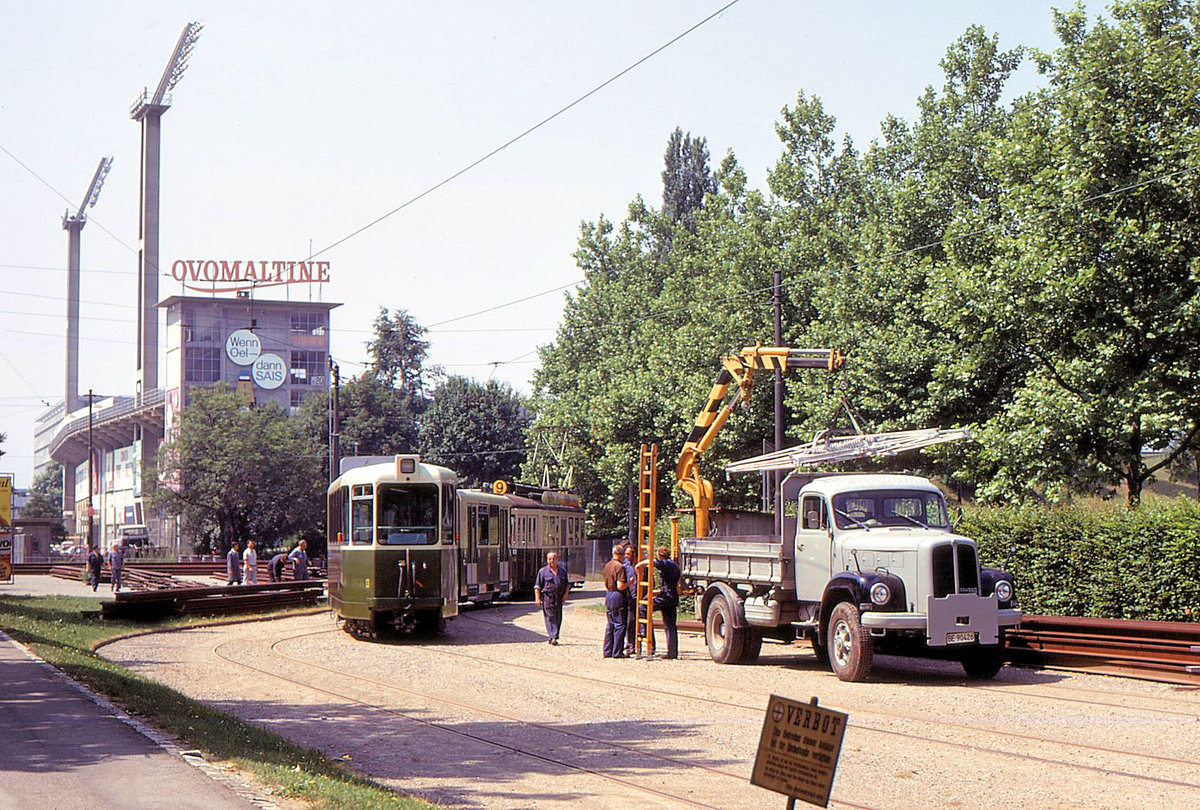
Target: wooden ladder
647,511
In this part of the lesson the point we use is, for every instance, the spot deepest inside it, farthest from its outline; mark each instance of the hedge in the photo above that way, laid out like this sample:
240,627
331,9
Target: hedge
1103,561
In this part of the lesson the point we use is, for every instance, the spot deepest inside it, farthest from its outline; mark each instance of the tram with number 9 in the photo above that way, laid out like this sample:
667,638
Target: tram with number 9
407,545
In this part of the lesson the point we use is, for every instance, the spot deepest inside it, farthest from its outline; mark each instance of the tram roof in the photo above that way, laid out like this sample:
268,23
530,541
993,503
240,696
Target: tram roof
382,470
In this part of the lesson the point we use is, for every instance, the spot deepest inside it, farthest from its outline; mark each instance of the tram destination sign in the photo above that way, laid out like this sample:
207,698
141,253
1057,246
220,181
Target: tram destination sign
799,749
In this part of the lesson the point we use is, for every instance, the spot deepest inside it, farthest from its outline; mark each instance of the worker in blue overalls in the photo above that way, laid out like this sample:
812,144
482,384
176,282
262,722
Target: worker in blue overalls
615,585
550,590
631,595
666,601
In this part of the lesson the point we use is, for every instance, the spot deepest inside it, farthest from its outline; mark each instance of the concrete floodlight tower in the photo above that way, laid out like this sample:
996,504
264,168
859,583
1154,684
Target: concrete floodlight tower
73,225
148,108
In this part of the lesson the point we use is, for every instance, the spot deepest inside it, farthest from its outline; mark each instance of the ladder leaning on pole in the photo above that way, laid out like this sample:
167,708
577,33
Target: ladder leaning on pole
647,509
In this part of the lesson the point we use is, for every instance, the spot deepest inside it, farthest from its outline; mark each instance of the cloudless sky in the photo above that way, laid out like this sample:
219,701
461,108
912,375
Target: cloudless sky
298,123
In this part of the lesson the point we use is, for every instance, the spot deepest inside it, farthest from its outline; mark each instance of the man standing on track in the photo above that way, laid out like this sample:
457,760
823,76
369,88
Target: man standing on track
615,585
233,565
666,601
299,558
550,590
250,565
631,595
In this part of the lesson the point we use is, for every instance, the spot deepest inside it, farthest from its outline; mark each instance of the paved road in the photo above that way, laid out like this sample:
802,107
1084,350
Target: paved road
61,749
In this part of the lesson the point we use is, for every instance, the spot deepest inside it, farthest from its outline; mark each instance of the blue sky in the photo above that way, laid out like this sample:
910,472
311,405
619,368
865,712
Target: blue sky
297,124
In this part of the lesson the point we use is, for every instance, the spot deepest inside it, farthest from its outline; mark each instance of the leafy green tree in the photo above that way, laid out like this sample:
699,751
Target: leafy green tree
233,472
686,178
398,353
46,498
1094,285
477,429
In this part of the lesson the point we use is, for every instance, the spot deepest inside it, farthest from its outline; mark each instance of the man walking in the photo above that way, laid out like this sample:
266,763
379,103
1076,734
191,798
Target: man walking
116,564
233,565
550,590
615,585
95,562
666,601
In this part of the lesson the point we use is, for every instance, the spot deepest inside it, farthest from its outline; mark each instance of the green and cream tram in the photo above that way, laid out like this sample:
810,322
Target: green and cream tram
393,554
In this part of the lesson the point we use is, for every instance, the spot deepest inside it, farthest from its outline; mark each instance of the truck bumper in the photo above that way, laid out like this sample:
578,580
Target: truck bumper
952,615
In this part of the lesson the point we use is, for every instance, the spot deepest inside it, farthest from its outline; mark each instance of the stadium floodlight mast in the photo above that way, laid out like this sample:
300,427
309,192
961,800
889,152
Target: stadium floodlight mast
148,109
73,224
171,76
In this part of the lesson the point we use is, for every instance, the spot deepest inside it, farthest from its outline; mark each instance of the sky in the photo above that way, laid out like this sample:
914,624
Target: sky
339,131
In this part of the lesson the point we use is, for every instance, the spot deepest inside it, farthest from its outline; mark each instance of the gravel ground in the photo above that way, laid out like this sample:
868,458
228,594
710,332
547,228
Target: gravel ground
489,715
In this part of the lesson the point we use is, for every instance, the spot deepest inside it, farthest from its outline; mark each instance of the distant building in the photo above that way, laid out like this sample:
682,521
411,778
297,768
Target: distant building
271,350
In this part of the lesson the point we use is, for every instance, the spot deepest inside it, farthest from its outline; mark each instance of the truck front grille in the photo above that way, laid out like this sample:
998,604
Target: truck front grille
944,581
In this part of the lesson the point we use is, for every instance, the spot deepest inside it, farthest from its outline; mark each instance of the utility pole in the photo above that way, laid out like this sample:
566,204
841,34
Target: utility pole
335,440
91,479
778,393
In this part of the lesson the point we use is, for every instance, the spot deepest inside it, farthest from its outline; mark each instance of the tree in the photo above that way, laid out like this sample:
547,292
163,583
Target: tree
233,472
46,498
398,353
1094,285
477,429
686,179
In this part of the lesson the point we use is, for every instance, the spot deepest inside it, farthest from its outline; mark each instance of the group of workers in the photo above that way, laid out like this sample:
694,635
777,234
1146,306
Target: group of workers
242,568
621,608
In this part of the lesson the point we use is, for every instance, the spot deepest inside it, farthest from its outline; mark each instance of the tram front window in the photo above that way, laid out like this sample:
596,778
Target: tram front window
407,514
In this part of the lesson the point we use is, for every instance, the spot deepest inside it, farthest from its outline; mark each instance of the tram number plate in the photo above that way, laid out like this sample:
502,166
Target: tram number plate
960,638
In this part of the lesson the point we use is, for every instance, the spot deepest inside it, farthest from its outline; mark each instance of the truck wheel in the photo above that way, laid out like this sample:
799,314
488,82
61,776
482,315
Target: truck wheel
753,646
430,623
983,662
725,642
821,652
850,649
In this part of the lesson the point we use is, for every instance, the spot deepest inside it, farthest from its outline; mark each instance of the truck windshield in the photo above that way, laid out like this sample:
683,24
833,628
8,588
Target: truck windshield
407,514
890,507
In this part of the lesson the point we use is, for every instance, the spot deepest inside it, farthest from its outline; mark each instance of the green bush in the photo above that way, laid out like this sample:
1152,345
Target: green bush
1103,561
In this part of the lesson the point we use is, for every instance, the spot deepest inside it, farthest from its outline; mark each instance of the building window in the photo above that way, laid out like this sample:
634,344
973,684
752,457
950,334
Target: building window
201,365
308,323
308,368
298,395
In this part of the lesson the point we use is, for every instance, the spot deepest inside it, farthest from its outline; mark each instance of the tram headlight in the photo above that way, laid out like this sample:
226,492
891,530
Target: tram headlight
1004,590
880,593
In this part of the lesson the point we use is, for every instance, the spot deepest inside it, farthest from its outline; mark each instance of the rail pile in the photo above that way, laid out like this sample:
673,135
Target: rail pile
1162,651
209,601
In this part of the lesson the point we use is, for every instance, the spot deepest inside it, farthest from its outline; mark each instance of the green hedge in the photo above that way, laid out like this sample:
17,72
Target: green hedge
1101,561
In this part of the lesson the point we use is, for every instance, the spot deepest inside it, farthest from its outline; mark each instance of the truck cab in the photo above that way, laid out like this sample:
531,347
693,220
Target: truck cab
863,563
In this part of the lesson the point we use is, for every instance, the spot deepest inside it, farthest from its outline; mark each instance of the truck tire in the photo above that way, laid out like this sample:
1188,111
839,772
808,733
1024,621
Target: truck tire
821,652
850,649
753,646
725,642
982,663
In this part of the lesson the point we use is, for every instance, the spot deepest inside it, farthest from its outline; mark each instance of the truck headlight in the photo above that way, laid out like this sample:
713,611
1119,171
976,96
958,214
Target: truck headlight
880,593
1004,590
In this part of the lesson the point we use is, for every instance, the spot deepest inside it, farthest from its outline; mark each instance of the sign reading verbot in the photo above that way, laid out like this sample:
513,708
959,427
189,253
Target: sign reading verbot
799,748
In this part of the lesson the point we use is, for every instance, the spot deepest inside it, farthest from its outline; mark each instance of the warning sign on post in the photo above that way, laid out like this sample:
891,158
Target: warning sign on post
799,748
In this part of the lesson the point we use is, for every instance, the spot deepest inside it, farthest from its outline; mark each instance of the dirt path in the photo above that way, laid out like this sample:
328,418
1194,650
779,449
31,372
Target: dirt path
489,715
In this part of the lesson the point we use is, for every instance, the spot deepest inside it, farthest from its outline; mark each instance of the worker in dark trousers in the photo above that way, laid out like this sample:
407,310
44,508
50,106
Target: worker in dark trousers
95,562
631,595
550,590
666,601
233,565
275,567
615,585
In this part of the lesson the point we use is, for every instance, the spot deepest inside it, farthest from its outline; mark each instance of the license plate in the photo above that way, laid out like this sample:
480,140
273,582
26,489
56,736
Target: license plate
960,638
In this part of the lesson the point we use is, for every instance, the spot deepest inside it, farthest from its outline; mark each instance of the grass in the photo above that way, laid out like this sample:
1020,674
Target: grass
62,630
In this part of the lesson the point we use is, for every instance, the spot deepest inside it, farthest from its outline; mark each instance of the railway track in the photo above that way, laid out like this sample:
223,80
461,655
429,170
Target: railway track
1167,652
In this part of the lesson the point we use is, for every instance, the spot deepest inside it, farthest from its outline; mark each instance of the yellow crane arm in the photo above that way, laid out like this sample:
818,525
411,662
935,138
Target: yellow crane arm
737,368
